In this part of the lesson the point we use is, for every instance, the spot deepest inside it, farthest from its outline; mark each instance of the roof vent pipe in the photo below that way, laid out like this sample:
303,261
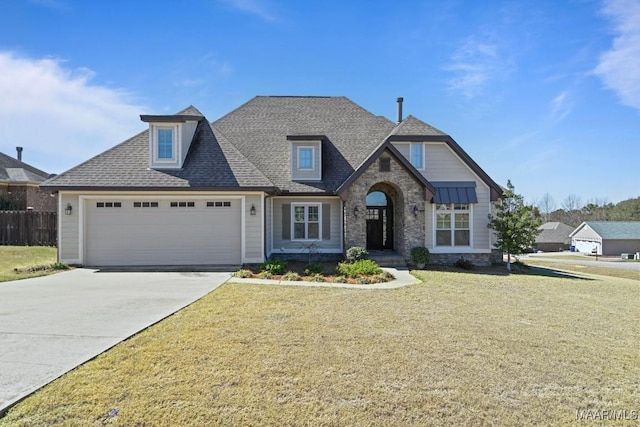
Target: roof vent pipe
19,150
400,99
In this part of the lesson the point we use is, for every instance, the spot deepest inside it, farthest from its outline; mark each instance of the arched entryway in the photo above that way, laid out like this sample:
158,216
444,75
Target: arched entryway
380,220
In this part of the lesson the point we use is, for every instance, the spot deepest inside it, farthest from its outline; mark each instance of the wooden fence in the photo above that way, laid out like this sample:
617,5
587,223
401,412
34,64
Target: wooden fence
28,228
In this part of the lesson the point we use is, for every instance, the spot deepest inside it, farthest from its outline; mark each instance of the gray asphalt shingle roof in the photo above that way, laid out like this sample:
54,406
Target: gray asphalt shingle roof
248,148
14,170
554,232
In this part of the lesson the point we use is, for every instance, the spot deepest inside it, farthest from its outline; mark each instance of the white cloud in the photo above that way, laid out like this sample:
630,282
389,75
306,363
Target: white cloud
259,8
58,115
561,106
474,64
619,67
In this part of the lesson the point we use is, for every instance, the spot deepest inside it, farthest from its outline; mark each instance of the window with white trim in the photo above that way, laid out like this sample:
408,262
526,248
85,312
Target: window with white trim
453,224
306,222
417,155
165,143
305,158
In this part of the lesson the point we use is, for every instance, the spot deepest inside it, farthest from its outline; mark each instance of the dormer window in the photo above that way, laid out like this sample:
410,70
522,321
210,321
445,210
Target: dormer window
169,139
306,157
165,143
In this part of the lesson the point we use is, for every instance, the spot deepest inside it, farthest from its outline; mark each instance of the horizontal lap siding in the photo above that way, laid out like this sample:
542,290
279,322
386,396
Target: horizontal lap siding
334,243
69,240
442,164
253,228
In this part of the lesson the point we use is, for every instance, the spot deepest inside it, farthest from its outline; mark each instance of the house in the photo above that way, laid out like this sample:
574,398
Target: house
607,237
553,237
19,185
280,176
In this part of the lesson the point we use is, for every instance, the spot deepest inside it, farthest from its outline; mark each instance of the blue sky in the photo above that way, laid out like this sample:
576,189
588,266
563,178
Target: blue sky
544,93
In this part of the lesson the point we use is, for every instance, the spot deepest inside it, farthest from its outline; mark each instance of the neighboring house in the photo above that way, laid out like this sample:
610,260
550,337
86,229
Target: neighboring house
280,176
607,237
553,237
19,184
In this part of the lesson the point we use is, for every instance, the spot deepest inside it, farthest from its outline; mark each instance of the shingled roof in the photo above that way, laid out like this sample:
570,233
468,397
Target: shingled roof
16,171
248,148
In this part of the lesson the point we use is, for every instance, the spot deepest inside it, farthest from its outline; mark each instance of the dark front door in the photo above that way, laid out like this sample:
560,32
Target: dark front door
379,228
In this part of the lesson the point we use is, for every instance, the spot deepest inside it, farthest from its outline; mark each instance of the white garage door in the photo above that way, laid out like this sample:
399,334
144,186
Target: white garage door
162,232
587,246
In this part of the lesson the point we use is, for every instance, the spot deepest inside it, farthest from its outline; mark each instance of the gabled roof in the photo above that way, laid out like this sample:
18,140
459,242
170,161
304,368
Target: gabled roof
249,148
387,146
619,230
414,126
554,232
16,171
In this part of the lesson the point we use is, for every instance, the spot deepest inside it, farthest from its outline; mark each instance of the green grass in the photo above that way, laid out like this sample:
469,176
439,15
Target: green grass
589,269
462,348
25,258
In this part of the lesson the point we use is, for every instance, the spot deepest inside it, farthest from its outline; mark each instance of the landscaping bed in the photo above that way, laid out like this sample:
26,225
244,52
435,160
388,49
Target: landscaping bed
321,272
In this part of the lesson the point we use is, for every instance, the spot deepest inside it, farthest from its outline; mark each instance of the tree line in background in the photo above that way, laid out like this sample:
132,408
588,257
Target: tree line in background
573,212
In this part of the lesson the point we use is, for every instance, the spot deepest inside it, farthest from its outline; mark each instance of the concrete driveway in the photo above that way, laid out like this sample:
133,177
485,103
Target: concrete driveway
49,325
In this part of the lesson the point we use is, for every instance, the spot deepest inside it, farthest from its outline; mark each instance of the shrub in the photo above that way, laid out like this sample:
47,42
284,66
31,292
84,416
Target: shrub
313,268
382,277
364,267
364,280
266,274
59,266
464,264
273,266
356,253
291,276
339,279
243,274
420,255
317,278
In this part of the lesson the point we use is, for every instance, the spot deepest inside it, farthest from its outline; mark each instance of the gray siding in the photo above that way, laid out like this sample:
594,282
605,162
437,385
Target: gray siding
69,233
281,240
314,174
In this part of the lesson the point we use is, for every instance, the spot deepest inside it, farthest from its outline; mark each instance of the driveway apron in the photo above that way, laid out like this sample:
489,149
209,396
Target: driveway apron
49,325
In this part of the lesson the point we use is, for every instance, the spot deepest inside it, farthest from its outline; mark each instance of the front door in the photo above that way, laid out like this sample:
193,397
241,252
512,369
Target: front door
379,228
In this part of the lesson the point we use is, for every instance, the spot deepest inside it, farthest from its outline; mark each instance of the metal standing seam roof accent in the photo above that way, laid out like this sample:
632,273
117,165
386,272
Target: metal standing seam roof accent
455,192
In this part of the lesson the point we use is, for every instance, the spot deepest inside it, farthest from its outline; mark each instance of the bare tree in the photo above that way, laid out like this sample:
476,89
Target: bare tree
572,206
546,206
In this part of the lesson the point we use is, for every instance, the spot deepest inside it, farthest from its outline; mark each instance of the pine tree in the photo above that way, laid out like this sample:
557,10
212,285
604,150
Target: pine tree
516,224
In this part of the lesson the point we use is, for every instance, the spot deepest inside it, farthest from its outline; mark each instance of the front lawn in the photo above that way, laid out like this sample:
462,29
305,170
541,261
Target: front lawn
30,261
462,348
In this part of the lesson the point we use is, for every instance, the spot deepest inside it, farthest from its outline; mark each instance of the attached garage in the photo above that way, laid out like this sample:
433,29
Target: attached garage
147,231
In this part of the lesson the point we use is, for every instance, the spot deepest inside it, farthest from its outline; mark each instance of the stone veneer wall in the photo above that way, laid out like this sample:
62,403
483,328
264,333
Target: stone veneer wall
481,260
409,229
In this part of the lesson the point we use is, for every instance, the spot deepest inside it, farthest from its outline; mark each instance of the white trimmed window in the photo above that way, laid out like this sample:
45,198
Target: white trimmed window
417,155
165,143
453,224
305,224
306,159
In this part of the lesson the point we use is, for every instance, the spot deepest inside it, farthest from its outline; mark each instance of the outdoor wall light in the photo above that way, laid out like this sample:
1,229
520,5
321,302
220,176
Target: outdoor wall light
415,210
68,209
355,211
252,211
